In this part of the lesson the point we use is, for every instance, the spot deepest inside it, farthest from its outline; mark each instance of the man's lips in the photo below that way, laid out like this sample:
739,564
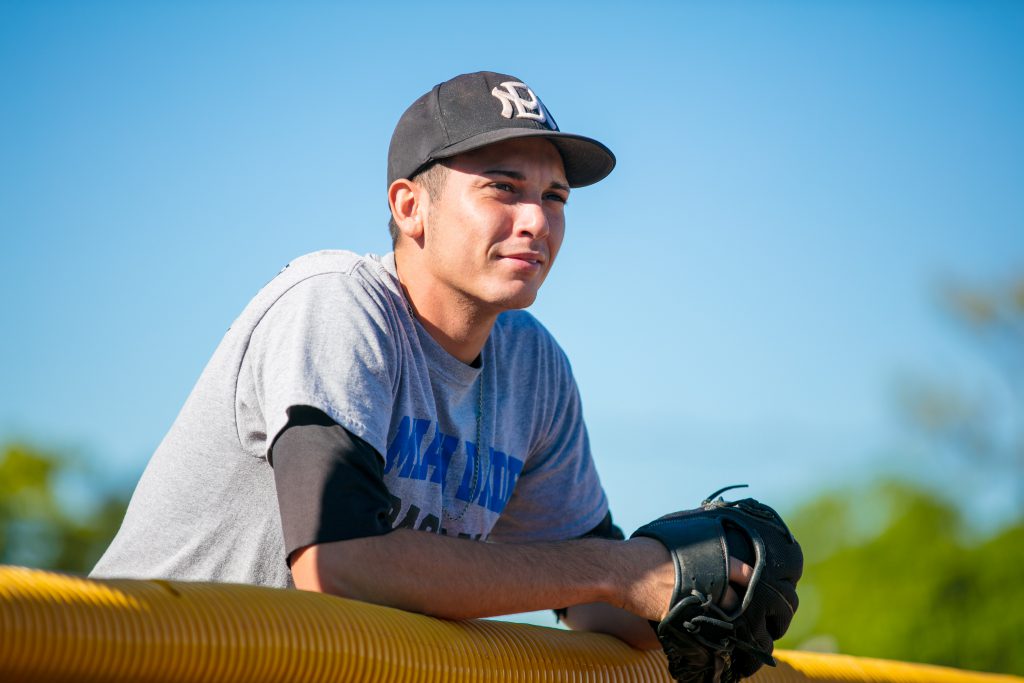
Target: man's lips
531,257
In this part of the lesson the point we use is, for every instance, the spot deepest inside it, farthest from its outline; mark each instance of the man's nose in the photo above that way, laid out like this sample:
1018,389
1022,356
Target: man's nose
532,220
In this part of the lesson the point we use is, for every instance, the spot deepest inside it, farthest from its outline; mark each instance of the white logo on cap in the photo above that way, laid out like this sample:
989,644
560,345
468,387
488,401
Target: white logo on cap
531,108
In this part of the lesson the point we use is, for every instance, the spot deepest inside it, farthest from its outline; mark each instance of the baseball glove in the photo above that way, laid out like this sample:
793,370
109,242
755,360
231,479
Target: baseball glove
704,643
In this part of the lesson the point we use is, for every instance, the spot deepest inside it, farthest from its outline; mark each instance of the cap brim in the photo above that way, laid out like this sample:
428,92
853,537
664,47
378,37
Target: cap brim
586,160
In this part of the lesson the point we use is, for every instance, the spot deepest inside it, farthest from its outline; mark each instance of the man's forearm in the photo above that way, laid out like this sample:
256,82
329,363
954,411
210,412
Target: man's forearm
460,579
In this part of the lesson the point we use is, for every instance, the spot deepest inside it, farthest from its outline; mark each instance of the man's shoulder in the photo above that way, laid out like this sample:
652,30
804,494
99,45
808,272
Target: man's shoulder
520,331
328,270
329,261
321,286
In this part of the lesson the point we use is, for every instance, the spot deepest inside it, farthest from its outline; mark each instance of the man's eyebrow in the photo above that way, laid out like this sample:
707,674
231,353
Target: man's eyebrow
516,175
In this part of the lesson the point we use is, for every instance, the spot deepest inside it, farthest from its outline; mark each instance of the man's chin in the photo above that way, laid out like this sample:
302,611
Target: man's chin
518,300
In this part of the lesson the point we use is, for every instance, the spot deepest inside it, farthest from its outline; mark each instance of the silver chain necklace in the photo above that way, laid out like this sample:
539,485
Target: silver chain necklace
474,484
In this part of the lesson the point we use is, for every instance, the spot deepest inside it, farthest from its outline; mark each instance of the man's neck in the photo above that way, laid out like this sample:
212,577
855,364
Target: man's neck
457,325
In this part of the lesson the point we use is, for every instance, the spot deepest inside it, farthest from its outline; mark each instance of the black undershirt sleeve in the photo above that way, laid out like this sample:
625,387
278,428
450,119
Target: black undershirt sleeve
606,528
330,483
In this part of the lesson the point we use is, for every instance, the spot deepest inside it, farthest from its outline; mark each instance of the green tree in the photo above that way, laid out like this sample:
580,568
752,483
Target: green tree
38,528
906,581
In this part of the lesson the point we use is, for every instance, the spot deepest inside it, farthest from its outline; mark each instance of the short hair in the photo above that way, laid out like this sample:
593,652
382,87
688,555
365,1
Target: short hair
433,179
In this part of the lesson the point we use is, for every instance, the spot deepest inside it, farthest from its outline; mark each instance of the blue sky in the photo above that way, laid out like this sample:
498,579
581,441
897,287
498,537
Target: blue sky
739,298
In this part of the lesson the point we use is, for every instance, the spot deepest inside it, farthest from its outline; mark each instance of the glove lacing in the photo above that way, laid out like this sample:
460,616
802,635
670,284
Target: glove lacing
724,646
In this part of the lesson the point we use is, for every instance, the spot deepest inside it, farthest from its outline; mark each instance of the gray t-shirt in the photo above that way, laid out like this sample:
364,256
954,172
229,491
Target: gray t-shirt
333,331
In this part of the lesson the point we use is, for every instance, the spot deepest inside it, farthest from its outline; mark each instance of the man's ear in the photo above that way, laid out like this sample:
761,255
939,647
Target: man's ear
409,205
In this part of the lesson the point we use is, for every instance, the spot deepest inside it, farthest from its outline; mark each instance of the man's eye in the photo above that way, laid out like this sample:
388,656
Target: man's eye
557,197
504,187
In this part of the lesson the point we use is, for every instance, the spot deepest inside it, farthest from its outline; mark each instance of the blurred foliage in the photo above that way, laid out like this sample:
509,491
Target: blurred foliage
980,426
39,526
895,571
906,582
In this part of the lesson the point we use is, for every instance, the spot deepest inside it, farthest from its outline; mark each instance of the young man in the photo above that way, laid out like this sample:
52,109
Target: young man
367,422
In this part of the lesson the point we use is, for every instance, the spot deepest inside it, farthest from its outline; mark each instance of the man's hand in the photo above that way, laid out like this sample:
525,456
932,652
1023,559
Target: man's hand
723,623
651,592
604,618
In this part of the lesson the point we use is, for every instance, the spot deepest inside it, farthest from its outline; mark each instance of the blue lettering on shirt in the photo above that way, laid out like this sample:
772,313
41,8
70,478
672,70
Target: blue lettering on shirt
438,455
405,447
496,477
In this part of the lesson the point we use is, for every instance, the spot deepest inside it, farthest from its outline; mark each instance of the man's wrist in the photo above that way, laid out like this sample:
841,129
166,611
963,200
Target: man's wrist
636,575
647,578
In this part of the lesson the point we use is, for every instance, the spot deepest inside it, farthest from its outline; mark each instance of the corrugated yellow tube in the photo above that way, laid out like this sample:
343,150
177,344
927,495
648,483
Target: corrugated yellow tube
55,627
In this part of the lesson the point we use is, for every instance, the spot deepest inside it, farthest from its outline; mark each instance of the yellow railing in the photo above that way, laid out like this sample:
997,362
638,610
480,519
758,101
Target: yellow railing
55,627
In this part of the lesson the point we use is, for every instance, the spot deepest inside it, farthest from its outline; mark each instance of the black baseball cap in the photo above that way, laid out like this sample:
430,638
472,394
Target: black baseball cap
478,109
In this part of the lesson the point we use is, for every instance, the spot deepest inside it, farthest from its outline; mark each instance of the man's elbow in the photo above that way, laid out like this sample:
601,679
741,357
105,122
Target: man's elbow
306,574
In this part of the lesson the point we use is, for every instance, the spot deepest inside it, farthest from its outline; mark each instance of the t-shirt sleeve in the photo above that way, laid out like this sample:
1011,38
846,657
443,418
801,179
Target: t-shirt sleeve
326,343
558,495
330,483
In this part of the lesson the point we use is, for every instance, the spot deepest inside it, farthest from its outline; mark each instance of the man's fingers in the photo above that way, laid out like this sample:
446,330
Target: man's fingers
730,599
740,572
739,576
